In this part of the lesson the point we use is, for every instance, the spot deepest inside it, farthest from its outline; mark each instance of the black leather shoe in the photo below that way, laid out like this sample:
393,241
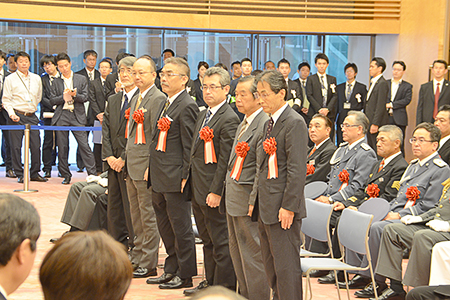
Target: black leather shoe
357,282
176,283
318,273
59,175
10,174
66,180
48,174
144,272
20,179
391,295
368,292
201,286
165,277
39,178
329,278
80,170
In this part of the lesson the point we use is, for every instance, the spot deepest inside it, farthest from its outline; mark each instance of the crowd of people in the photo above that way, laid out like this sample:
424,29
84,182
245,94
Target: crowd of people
233,150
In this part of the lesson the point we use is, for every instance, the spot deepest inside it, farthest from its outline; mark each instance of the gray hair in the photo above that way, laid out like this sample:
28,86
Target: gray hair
275,80
224,76
395,133
249,78
181,64
360,119
127,62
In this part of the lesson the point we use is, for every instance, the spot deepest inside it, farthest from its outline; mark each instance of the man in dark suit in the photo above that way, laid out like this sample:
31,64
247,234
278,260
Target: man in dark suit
143,111
48,63
68,94
278,187
245,246
442,121
400,94
433,94
375,106
113,152
5,148
112,84
321,90
211,146
19,230
303,71
168,170
318,161
294,93
351,96
246,67
98,99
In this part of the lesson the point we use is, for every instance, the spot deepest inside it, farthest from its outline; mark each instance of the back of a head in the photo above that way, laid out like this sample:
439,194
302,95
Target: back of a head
84,266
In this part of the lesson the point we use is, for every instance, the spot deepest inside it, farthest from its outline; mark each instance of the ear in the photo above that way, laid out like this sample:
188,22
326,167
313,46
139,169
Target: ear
282,93
23,251
227,88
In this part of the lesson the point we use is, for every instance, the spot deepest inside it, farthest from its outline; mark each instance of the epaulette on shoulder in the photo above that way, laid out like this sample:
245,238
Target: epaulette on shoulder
365,146
439,162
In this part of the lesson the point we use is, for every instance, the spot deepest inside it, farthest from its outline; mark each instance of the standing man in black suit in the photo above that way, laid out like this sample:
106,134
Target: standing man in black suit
246,67
278,187
294,93
48,63
303,71
98,99
211,147
112,84
400,94
318,162
351,96
5,148
169,166
433,94
375,106
442,121
68,94
113,152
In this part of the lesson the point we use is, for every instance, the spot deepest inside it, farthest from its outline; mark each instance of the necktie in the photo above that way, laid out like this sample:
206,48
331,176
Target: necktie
312,151
381,166
124,106
166,106
349,91
269,128
436,100
208,115
324,92
305,99
243,129
91,77
138,102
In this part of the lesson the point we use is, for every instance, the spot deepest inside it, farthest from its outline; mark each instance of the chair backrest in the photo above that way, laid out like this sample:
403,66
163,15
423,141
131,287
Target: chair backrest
315,189
317,220
353,230
378,207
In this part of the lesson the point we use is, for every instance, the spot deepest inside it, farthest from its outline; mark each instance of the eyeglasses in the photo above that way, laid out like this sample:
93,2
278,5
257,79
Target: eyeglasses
262,95
125,71
139,73
420,141
169,75
348,125
211,87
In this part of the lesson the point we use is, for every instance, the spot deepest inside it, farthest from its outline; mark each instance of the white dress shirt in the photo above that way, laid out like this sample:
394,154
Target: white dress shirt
22,92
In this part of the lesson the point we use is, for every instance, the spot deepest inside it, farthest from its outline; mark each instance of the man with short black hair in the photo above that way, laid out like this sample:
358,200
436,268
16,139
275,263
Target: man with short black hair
269,65
442,121
237,71
294,95
12,66
19,231
246,68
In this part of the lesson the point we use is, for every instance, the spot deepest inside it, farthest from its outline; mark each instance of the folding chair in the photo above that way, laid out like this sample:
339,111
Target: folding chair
316,225
353,233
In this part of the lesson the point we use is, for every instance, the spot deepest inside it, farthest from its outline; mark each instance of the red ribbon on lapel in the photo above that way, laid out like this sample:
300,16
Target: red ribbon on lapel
207,135
241,150
163,126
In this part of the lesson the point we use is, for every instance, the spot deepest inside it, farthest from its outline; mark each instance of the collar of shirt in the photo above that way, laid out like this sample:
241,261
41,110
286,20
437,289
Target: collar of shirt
390,158
3,292
375,79
57,75
324,78
318,146
146,91
102,79
426,159
23,75
70,77
287,80
253,116
214,109
91,72
443,141
435,82
303,81
130,93
171,99
350,147
276,115
350,83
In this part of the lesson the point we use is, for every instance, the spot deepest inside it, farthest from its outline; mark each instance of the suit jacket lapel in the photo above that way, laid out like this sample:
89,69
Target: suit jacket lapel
277,127
249,132
444,88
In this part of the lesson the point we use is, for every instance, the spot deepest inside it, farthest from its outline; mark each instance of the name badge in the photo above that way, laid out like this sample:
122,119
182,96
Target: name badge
312,162
346,105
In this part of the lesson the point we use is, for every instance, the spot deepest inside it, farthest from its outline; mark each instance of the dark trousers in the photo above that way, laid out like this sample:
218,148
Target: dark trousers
48,147
98,157
212,227
372,140
6,143
68,119
429,293
403,128
119,217
16,146
173,216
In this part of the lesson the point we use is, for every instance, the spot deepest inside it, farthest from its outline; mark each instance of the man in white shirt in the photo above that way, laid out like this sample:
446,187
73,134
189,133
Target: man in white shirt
21,95
19,230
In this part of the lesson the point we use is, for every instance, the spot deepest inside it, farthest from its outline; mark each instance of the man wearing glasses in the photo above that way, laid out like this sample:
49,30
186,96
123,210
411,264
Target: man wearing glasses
211,147
423,178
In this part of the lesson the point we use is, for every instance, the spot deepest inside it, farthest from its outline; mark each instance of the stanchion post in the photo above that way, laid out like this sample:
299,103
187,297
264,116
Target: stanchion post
26,163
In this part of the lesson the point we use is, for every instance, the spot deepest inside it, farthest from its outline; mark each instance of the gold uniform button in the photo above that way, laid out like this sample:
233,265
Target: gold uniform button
438,215
440,206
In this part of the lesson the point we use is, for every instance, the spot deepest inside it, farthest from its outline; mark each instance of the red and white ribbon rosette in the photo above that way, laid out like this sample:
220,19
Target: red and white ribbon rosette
344,177
412,194
310,169
127,116
241,150
138,117
163,126
270,146
207,134
372,190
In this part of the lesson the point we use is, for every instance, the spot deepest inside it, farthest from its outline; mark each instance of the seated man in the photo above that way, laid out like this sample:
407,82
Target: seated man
19,230
382,182
418,233
442,121
318,162
420,188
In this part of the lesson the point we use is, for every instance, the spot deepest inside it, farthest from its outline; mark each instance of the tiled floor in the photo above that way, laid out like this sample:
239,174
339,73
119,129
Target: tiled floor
50,200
